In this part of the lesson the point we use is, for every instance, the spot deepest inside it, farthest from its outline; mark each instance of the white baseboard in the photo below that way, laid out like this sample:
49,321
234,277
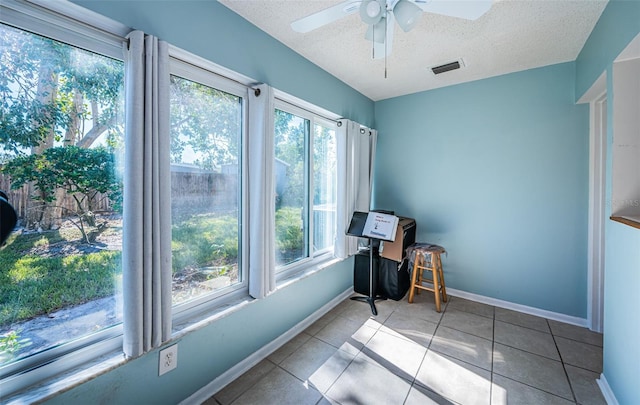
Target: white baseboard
606,390
245,365
573,320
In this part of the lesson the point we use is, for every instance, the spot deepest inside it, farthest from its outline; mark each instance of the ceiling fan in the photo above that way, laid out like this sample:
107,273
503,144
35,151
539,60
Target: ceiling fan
381,15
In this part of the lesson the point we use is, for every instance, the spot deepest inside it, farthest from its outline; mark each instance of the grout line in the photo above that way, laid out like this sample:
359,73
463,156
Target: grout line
535,388
527,327
414,381
564,368
424,358
577,341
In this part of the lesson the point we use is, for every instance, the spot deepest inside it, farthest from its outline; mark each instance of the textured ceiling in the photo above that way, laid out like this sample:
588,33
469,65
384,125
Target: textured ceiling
513,35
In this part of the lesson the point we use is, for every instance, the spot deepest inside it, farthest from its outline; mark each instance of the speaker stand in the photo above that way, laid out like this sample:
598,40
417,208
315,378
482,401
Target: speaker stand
371,299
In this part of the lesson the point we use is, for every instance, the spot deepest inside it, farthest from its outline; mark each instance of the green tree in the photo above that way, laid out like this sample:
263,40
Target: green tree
324,164
291,133
53,94
206,121
27,114
82,173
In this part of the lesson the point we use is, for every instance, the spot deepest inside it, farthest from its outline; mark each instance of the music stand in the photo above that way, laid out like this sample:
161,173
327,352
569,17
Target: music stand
357,228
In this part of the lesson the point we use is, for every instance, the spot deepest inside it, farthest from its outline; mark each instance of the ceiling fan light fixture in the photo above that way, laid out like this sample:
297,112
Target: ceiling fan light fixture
372,11
376,32
406,13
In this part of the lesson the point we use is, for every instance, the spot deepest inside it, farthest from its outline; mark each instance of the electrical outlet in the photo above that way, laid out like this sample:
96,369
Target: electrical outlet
168,359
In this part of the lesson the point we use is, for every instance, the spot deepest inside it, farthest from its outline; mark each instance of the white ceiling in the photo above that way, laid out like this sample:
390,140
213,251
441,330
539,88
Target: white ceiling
513,35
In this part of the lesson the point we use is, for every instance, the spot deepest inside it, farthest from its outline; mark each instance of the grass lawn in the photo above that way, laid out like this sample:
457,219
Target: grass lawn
32,283
43,272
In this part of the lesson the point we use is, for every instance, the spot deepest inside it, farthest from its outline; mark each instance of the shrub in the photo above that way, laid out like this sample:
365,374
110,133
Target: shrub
205,240
289,229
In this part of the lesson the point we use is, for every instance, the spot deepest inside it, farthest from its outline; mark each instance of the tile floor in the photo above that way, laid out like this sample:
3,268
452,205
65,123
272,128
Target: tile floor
471,353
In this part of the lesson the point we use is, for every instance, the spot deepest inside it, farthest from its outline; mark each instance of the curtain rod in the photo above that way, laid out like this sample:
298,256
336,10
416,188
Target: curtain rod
363,129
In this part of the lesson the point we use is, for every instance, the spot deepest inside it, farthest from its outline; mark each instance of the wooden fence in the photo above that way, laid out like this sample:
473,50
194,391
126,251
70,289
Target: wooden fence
191,193
19,199
202,192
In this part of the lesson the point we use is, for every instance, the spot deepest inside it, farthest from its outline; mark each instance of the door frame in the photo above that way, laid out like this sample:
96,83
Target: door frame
596,96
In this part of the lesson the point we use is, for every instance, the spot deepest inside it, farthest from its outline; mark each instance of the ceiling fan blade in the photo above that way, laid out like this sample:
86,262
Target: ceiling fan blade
383,50
326,16
467,9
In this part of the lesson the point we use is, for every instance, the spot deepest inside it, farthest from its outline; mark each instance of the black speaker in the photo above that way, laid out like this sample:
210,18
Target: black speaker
361,273
8,218
393,278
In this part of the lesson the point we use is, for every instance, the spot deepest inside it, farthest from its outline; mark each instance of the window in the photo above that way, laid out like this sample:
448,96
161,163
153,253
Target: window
61,143
325,182
305,179
207,126
61,162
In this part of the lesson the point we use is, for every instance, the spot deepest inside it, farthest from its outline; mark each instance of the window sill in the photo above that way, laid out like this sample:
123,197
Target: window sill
75,377
50,388
307,271
239,300
630,220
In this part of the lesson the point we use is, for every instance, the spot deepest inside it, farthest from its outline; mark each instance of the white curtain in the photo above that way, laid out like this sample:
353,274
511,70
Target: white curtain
146,253
356,155
373,140
262,193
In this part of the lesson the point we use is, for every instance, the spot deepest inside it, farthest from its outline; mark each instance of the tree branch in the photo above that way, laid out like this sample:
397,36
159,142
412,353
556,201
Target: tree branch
94,134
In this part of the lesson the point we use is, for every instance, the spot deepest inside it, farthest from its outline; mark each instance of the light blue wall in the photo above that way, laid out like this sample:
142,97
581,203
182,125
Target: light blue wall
621,312
497,172
211,31
618,25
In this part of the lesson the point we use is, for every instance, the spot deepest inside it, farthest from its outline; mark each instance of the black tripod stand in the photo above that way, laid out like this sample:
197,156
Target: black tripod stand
371,299
357,228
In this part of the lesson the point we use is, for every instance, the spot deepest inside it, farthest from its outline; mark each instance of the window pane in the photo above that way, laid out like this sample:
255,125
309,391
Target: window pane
206,129
291,138
61,143
324,184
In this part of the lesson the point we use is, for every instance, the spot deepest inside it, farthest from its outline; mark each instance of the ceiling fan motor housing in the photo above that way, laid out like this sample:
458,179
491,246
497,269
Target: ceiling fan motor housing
372,11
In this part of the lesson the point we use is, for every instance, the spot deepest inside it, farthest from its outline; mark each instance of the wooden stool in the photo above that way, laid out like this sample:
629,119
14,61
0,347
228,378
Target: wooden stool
426,257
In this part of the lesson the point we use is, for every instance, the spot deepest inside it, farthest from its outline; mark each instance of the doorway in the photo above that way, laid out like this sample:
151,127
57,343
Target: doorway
596,96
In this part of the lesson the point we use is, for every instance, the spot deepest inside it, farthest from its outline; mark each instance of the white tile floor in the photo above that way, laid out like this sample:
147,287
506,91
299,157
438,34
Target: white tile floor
471,353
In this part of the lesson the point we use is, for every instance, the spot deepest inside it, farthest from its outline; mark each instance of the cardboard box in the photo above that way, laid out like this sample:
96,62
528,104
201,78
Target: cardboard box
405,237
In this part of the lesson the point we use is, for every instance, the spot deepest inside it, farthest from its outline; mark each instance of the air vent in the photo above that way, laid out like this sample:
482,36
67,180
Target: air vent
447,67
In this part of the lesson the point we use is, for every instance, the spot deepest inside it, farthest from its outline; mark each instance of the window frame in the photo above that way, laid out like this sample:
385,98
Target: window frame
196,69
75,26
314,115
331,124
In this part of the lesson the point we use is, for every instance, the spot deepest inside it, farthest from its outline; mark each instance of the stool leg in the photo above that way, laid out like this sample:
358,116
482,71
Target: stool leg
414,274
444,288
436,276
421,265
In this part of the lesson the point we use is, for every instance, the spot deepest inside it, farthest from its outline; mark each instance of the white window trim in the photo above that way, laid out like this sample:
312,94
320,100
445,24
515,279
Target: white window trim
328,123
67,22
315,115
193,68
70,24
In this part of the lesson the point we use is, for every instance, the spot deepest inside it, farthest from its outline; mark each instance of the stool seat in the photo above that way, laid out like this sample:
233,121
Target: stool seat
425,257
